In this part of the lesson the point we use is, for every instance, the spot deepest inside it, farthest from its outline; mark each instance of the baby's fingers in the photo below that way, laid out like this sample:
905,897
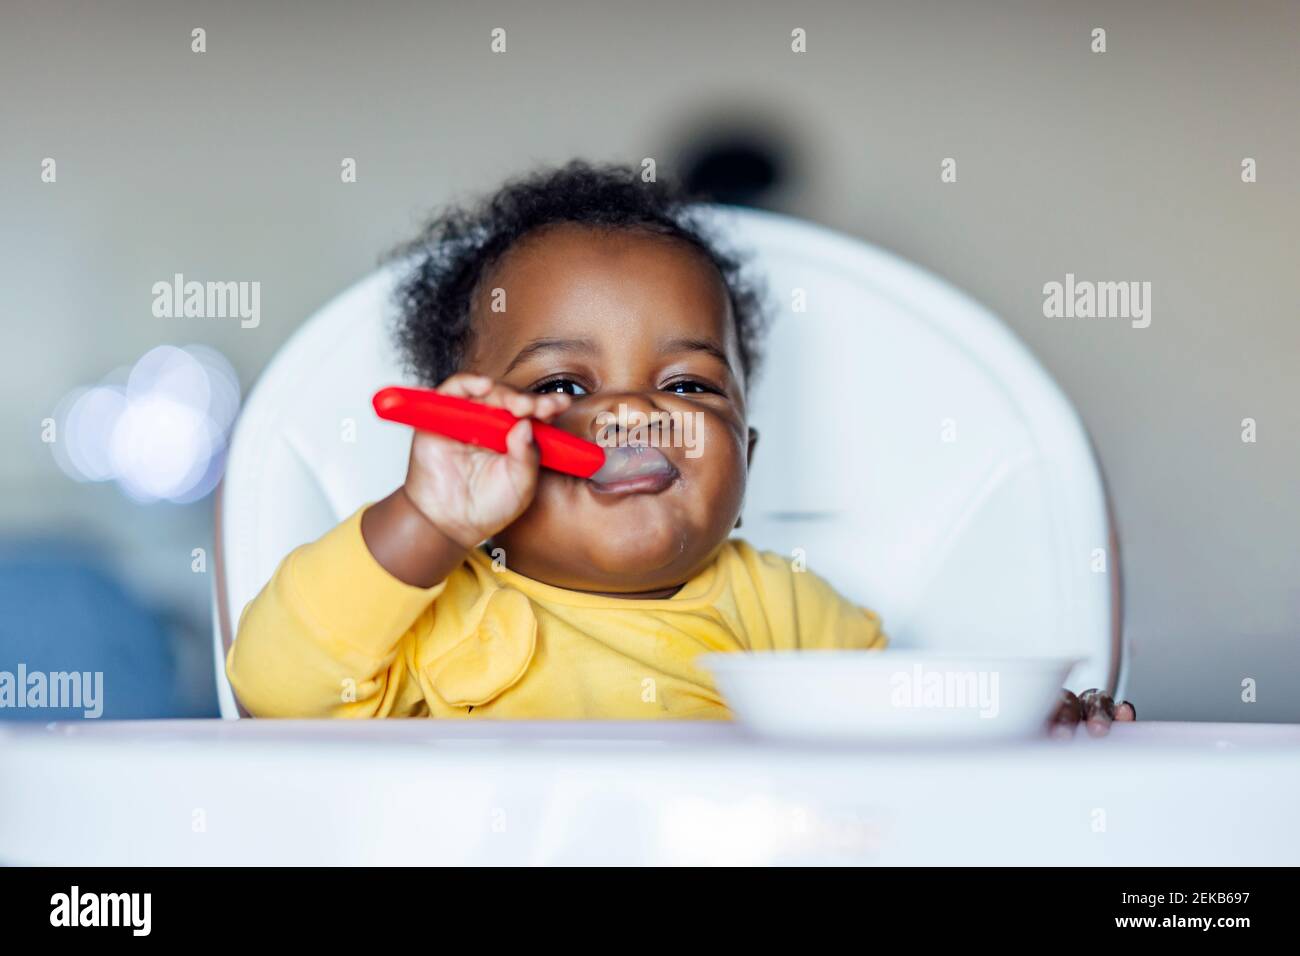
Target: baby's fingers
1068,714
519,441
517,403
520,404
551,404
1098,710
465,385
522,458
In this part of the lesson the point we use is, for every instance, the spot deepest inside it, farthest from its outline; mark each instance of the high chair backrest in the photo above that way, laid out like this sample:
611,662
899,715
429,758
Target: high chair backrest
911,451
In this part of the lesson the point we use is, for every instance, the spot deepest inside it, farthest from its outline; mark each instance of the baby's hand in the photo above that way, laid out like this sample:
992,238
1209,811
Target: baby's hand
472,493
1094,708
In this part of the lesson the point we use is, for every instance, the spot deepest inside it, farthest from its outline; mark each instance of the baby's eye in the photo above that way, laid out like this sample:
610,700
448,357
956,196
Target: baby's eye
689,387
566,385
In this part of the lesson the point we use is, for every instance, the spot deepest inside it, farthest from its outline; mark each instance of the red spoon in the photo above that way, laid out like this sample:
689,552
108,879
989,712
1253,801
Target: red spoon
486,426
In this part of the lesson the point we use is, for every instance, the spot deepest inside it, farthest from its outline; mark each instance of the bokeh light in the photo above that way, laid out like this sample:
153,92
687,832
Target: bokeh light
158,430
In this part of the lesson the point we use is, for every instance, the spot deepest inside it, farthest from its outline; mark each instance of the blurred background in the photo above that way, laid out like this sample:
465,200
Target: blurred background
225,165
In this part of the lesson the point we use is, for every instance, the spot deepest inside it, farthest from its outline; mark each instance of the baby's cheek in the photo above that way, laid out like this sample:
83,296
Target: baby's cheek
713,440
719,474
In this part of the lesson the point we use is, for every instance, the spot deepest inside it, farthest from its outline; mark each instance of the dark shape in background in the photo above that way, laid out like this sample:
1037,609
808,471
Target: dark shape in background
741,163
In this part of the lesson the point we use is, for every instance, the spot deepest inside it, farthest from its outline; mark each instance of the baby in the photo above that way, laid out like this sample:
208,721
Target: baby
487,586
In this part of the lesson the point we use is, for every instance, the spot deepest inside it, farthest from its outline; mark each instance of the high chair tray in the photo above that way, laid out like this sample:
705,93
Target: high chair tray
471,792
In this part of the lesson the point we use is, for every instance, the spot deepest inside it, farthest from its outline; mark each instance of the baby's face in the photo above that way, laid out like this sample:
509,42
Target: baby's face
619,318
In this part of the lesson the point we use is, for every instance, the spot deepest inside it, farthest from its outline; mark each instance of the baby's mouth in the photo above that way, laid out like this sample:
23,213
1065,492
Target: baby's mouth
632,469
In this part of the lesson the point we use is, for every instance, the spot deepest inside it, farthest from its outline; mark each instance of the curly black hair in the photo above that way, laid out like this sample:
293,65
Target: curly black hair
461,244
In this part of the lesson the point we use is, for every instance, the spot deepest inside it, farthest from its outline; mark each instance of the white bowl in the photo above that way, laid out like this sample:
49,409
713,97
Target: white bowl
890,695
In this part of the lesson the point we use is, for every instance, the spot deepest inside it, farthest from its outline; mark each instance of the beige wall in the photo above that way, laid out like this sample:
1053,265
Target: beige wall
1117,166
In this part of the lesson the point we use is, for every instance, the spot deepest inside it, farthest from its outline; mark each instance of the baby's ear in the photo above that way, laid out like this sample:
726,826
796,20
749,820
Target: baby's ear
749,455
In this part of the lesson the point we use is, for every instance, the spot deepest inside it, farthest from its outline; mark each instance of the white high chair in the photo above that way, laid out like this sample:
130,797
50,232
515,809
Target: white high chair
911,451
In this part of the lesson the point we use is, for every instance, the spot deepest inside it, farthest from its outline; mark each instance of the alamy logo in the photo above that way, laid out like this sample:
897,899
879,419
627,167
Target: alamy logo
943,689
631,427
102,909
57,689
1073,299
208,300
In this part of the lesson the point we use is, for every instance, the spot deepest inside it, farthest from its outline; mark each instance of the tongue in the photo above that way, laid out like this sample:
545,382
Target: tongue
631,461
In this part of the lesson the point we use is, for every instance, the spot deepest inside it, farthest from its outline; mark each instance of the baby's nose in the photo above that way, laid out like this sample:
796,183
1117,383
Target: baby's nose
625,418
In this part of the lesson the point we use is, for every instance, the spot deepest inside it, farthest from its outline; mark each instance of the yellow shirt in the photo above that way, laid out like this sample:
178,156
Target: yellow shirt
333,634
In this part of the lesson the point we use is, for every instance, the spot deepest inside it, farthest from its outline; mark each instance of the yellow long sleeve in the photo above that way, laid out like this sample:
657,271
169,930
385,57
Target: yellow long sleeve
333,634
325,637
